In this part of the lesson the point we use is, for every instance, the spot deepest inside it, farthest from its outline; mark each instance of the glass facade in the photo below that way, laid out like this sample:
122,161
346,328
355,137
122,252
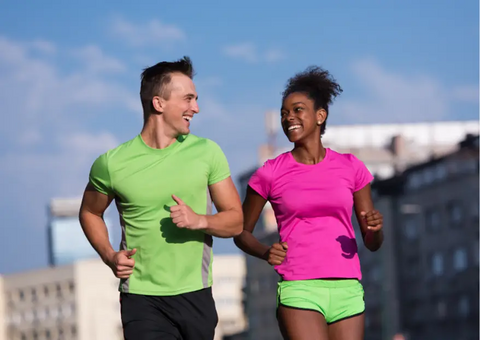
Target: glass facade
68,243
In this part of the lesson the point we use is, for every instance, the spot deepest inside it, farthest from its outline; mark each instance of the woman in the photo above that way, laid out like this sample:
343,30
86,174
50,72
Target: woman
312,190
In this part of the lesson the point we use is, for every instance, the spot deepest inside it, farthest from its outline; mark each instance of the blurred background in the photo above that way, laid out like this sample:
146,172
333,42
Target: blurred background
69,84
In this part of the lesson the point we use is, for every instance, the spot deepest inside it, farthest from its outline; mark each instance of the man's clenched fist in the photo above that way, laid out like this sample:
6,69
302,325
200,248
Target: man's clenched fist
184,217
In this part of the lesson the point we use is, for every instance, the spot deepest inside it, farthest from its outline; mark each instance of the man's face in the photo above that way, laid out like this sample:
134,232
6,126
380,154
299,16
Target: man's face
179,108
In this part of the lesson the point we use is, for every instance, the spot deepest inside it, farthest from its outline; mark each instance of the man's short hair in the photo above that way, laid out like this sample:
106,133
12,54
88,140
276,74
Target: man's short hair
155,80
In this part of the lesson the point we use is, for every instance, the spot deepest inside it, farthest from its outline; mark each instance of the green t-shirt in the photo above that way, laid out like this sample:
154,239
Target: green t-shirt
169,260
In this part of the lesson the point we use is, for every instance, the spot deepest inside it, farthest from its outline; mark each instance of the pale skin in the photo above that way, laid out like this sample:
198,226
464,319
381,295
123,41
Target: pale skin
171,119
296,324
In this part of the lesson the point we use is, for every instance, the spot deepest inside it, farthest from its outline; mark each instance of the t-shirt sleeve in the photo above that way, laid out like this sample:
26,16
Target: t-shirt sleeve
362,174
219,168
100,177
261,181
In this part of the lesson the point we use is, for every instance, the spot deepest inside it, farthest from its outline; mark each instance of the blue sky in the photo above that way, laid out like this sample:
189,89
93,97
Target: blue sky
69,81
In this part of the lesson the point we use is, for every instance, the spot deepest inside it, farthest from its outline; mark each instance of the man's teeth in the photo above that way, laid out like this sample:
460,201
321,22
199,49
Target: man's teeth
187,118
293,127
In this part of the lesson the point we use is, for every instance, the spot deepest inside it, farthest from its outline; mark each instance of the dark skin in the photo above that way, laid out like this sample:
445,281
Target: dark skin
301,124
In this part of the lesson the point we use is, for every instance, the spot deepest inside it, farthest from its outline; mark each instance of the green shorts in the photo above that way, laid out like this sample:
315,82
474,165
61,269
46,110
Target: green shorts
335,299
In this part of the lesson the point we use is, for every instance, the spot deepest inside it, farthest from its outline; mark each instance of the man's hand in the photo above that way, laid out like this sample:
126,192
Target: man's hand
373,219
184,217
276,254
121,263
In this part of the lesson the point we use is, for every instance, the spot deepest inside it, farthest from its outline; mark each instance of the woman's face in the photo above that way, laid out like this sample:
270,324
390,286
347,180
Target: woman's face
299,118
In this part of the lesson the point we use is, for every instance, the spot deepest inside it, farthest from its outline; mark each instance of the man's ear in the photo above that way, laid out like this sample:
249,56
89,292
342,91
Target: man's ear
158,104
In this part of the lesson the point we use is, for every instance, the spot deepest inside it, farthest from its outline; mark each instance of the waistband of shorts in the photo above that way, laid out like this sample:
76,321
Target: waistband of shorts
342,283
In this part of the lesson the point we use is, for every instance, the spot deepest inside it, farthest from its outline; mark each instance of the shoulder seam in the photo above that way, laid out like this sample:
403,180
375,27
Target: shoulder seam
107,156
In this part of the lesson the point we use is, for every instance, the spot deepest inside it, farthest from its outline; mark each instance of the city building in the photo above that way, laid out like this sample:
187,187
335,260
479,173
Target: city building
260,296
76,302
3,313
80,301
388,151
228,282
424,281
66,241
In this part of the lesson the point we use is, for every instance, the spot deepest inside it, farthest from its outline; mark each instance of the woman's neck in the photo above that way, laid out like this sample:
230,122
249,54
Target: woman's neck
309,153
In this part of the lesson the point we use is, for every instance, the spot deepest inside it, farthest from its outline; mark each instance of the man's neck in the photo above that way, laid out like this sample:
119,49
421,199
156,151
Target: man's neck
155,136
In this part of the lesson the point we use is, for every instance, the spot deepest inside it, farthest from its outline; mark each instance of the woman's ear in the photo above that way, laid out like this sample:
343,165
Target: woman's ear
321,116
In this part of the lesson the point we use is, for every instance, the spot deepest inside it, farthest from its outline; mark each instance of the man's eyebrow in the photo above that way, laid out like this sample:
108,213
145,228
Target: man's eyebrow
191,95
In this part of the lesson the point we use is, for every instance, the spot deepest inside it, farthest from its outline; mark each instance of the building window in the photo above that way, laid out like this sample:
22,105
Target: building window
437,264
254,286
71,287
440,172
33,293
454,213
59,290
432,219
428,175
414,181
21,295
476,254
460,259
411,228
10,302
375,274
464,306
475,209
441,309
470,166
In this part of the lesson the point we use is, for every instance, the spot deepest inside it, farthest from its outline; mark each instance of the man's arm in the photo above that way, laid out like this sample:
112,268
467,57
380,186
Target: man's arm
92,209
228,221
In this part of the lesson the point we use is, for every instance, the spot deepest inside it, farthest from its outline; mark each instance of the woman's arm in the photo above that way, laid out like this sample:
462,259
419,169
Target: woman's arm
252,208
370,220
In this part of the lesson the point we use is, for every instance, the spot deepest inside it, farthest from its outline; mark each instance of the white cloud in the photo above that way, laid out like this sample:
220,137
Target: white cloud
96,61
43,46
42,97
388,97
44,112
466,93
273,55
152,33
244,51
248,52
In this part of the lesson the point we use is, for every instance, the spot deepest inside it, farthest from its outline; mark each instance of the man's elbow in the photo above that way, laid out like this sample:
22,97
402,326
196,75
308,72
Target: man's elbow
81,216
238,226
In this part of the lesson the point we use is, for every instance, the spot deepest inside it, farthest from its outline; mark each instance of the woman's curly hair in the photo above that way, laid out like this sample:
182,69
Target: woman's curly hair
318,85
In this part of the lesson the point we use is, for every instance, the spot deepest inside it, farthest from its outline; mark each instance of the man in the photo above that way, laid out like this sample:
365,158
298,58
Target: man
162,181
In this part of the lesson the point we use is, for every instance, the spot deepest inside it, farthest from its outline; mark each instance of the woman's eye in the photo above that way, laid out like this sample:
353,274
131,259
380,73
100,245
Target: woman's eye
297,109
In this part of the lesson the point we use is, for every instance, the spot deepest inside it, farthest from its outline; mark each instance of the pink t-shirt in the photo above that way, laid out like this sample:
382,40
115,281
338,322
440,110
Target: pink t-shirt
313,205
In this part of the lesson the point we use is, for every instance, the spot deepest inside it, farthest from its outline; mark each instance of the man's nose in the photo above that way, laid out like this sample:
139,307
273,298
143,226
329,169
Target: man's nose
195,107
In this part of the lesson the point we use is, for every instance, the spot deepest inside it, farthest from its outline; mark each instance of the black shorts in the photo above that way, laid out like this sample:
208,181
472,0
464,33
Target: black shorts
189,316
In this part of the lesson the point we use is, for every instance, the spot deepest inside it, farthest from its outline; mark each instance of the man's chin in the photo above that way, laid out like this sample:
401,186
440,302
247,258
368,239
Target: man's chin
184,132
